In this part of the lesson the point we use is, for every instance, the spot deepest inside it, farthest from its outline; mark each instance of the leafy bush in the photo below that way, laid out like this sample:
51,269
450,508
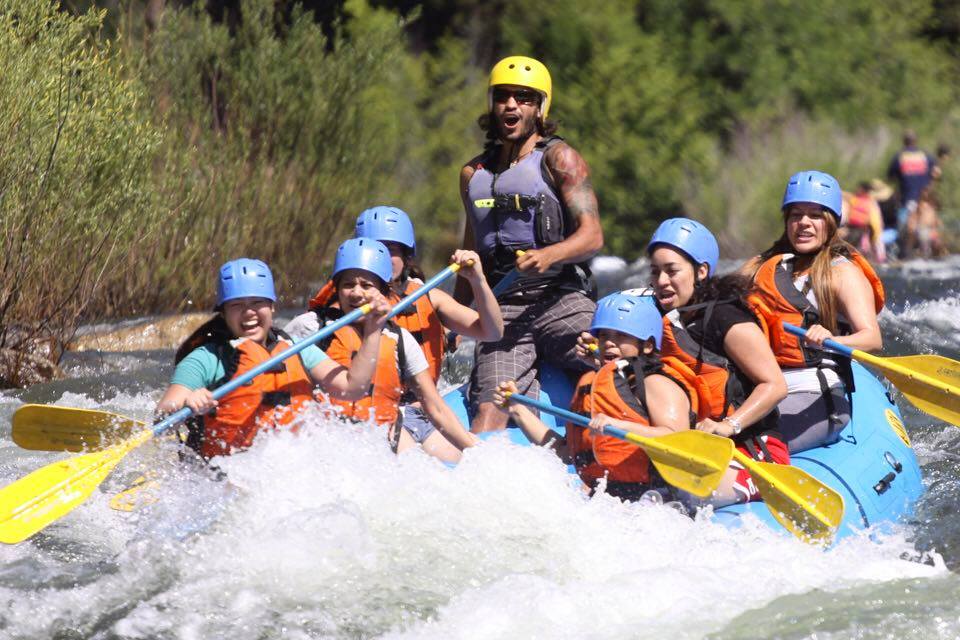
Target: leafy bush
275,138
78,149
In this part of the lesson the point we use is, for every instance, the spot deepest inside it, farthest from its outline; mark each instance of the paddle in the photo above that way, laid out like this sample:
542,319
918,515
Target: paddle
42,427
42,497
804,505
928,381
693,461
508,279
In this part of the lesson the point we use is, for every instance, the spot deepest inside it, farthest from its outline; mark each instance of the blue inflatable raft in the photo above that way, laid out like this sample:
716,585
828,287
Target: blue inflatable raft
873,465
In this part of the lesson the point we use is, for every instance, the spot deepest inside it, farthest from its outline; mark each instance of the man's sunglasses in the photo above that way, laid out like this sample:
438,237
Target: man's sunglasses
522,96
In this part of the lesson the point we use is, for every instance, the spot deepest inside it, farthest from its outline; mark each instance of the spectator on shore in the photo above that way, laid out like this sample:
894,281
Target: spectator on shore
889,205
862,223
912,169
924,227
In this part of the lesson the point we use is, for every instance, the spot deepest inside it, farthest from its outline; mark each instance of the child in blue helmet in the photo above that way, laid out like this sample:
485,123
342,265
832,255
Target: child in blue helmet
242,336
362,269
811,278
634,390
432,315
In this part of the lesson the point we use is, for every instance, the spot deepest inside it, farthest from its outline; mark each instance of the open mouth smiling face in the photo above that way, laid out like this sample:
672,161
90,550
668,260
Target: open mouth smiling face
516,110
249,318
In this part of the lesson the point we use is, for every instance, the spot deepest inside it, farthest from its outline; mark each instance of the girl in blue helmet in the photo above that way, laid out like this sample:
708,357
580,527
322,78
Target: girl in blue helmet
363,270
634,390
710,329
434,313
811,278
240,337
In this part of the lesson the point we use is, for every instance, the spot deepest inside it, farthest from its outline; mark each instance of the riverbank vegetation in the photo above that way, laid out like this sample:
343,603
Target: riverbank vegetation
147,142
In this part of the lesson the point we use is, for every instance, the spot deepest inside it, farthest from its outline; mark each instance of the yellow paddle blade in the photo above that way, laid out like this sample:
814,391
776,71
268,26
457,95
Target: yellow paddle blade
139,494
43,427
693,461
930,382
805,506
38,499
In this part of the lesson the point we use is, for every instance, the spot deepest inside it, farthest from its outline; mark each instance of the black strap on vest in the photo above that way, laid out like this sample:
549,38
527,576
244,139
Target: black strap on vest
735,390
570,277
755,445
783,280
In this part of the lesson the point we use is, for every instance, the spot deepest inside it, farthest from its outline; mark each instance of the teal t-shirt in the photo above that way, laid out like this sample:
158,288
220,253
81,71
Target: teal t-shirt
201,368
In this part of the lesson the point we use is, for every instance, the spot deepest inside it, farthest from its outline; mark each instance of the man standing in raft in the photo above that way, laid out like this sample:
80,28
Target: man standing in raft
529,190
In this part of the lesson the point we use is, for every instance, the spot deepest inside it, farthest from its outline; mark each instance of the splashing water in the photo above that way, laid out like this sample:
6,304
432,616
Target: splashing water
326,534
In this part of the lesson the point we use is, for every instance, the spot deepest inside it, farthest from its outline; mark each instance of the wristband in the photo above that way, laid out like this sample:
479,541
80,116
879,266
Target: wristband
733,422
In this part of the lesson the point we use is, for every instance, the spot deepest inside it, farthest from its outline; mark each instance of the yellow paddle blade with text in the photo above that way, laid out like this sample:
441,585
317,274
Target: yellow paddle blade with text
930,382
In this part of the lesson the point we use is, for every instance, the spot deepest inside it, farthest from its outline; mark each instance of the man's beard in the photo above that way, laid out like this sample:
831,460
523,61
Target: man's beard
529,128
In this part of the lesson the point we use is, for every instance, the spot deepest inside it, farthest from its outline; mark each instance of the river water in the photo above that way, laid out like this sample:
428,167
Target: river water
326,534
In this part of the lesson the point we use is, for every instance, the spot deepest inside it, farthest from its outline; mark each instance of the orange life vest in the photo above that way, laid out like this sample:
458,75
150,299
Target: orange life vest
776,300
860,207
271,399
712,375
618,391
386,387
579,441
422,321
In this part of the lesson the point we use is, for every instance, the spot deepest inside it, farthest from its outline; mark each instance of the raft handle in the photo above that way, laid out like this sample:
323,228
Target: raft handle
885,482
892,461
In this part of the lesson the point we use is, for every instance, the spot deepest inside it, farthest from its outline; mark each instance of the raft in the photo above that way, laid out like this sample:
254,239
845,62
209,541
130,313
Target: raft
873,464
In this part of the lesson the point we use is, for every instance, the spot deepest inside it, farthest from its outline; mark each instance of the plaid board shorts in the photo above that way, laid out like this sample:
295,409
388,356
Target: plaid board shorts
545,329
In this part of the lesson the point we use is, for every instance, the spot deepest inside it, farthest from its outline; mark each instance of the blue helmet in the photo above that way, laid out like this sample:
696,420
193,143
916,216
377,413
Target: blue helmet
386,224
690,238
245,278
816,187
637,316
364,253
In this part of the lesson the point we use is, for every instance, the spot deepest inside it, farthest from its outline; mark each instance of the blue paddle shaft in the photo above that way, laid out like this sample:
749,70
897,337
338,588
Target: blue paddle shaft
832,344
236,383
505,282
422,291
239,381
570,416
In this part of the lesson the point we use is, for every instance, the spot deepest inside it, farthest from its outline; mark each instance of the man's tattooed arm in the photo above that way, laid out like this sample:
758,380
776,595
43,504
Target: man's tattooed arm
572,177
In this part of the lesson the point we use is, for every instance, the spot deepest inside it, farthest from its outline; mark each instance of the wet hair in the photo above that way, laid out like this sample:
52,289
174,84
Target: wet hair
213,330
412,270
732,286
821,270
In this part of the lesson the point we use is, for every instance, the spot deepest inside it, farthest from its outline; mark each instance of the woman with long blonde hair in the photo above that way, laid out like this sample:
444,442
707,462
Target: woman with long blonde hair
812,278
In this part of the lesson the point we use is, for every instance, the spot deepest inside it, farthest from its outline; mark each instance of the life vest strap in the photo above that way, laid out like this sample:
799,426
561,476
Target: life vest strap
276,399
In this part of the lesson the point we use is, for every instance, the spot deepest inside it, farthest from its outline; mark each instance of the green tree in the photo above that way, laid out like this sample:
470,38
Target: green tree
78,149
623,105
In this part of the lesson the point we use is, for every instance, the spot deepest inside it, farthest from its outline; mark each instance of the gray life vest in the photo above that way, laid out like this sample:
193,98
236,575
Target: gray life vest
519,209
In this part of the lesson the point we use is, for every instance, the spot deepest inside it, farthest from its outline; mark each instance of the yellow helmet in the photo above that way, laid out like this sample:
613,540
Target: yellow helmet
522,72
